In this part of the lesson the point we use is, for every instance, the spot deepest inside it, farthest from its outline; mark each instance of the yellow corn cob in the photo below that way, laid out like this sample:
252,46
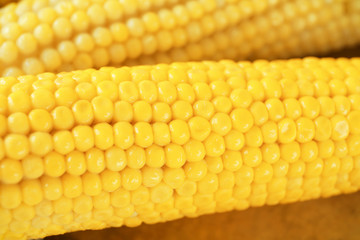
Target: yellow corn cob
121,146
46,35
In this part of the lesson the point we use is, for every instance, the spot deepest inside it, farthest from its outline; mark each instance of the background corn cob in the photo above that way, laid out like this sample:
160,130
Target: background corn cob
120,146
46,35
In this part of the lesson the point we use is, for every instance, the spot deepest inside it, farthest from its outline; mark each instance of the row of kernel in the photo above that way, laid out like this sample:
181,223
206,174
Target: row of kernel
175,156
91,184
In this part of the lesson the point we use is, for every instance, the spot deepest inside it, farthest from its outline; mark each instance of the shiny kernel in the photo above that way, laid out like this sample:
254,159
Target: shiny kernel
75,163
270,152
286,130
16,146
83,112
166,92
269,132
142,111
151,176
310,107
234,140
31,192
65,96
110,180
232,160
179,131
136,157
327,106
95,160
340,127
43,98
251,156
33,167
200,128
160,193
161,133
128,91
143,134
354,120
182,110
91,184
314,168
122,112
309,151
222,104
323,128
214,145
104,137
209,184
11,171
253,138
161,112
185,92
204,109
19,101
63,118
52,188
256,89
103,109
83,138
263,173
202,91
115,158
260,113
63,142
17,123
123,135
242,120
290,151
281,168
214,164
175,156
195,150
305,130
131,179
221,123
40,143
148,91
275,108
195,171
272,88
174,177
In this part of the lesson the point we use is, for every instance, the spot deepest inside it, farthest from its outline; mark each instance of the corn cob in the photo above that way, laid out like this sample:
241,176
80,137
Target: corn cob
120,146
45,35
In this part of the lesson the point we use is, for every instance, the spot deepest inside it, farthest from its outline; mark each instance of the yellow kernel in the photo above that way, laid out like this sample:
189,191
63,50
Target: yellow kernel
11,171
270,152
214,164
340,127
242,120
292,108
275,108
232,160
202,91
161,193
136,157
128,91
195,151
17,123
91,184
203,109
234,140
310,107
263,173
161,112
43,98
131,179
65,96
214,145
63,142
200,128
19,102
179,131
33,167
209,184
75,163
31,192
174,177
286,130
151,176
103,109
95,160
110,180
272,88
10,196
16,146
175,156
260,113
305,130
103,134
326,148
72,185
256,89
182,110
142,111
143,134
327,106
123,112
353,119
40,143
195,171
251,156
40,120
161,133
222,104
52,188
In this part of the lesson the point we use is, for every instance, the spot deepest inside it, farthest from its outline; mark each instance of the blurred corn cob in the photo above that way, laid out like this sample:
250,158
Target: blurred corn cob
121,146
46,35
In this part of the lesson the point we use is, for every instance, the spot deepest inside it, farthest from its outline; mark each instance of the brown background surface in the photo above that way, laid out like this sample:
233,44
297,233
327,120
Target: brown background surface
336,218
